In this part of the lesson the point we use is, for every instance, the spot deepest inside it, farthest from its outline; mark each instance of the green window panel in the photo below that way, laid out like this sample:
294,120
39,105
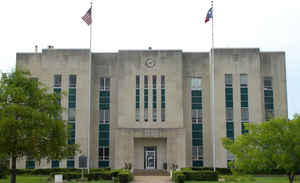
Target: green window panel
104,135
137,92
104,106
196,99
72,97
229,90
154,98
197,163
244,97
163,92
163,105
269,106
230,130
154,105
30,164
70,163
268,93
137,105
244,91
137,98
72,91
228,97
103,164
57,91
145,92
146,98
244,128
229,103
104,100
197,142
196,106
269,100
104,127
104,93
154,92
197,134
55,164
103,142
146,105
72,104
163,98
244,104
197,127
196,93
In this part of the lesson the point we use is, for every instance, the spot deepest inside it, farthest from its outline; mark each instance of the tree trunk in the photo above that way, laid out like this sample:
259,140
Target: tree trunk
291,177
13,170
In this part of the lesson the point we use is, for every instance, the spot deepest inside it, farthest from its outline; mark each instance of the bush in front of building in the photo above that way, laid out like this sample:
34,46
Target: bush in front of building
3,171
220,171
198,175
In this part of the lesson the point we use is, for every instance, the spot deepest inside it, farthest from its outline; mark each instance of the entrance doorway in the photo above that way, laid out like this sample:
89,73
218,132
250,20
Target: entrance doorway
150,159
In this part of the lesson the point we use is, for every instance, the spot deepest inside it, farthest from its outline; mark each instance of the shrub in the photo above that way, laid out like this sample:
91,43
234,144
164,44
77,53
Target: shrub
123,177
180,178
3,172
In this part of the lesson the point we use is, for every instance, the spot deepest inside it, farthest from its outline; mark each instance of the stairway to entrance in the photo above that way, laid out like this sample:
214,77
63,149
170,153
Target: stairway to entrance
154,172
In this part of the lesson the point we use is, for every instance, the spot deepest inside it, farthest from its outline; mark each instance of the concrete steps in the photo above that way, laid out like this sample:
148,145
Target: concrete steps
154,172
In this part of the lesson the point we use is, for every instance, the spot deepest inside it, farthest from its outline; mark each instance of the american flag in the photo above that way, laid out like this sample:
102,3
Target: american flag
88,17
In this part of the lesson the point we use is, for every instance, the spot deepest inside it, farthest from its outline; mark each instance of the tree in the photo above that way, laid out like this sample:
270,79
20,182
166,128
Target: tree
30,123
274,144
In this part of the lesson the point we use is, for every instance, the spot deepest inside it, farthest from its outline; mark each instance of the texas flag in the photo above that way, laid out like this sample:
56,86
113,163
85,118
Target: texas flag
209,15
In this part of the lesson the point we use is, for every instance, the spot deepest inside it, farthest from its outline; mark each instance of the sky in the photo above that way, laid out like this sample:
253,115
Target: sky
161,24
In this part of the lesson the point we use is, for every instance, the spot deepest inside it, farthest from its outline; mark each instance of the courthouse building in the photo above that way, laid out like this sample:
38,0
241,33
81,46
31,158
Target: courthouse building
153,107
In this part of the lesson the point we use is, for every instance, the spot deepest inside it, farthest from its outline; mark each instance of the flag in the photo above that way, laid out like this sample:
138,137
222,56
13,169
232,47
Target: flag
88,17
209,15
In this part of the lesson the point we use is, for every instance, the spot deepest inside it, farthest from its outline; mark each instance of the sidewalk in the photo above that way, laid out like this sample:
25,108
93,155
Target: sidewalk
152,179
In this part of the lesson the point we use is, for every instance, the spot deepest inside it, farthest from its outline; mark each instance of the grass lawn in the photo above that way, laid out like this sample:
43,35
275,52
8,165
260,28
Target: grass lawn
257,180
42,179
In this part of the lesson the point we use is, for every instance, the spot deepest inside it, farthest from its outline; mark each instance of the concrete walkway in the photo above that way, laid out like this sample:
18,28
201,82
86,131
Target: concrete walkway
152,179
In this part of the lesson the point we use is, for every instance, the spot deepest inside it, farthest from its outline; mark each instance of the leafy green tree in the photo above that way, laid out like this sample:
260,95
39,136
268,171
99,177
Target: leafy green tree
274,144
30,123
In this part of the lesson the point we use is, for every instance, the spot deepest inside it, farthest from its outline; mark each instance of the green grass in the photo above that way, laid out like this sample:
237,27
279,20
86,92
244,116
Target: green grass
257,180
42,179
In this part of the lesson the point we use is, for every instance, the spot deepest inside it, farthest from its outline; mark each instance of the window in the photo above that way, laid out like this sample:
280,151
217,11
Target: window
228,80
55,164
244,80
70,162
103,153
137,99
57,80
72,81
154,99
163,98
30,164
145,98
268,98
197,152
244,114
229,114
71,114
72,132
230,130
196,115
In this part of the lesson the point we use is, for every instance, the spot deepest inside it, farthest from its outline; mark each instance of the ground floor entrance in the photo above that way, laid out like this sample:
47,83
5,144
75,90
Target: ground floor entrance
150,159
149,153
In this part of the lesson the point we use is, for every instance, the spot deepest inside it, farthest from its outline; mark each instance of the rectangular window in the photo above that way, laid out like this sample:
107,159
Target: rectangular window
70,162
55,164
154,99
163,98
103,153
145,98
57,80
229,107
72,81
228,80
72,132
244,100
137,99
196,100
244,80
197,152
71,114
30,164
268,98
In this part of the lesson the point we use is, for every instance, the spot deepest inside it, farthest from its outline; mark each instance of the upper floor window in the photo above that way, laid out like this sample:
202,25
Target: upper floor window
104,83
72,81
267,83
244,80
57,80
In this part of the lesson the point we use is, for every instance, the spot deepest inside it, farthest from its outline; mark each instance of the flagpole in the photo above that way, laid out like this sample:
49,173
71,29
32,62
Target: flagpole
212,67
90,80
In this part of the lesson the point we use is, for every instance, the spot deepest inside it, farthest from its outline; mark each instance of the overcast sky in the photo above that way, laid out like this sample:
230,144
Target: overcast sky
161,24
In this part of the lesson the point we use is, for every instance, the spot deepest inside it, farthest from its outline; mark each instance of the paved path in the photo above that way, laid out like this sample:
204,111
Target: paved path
152,179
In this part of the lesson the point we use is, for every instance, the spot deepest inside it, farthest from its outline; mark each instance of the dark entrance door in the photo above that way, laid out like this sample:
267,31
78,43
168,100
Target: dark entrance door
150,157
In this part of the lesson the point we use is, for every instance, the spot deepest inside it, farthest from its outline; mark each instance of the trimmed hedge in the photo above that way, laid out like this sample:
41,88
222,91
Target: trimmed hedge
220,171
198,175
98,174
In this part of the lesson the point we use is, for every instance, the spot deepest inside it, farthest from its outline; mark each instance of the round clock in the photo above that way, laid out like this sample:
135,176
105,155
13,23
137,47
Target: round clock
150,63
